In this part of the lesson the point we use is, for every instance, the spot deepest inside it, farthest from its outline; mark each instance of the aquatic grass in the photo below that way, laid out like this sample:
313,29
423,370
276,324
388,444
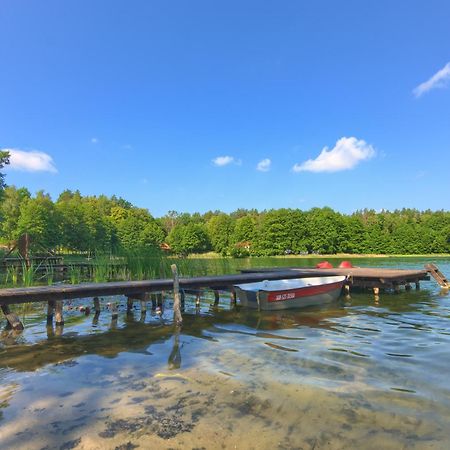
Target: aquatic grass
101,269
12,275
120,272
146,264
74,274
49,274
28,274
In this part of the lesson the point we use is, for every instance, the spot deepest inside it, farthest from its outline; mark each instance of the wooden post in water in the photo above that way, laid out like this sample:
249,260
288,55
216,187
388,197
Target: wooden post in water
154,300
176,296
96,311
129,305
233,297
216,297
59,316
417,285
50,311
197,300
13,320
161,299
97,306
114,313
182,299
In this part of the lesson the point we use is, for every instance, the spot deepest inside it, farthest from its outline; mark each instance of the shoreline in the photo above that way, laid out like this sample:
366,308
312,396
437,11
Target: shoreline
212,255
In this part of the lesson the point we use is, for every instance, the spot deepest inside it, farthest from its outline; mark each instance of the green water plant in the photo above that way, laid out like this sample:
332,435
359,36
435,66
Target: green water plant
74,274
101,269
28,274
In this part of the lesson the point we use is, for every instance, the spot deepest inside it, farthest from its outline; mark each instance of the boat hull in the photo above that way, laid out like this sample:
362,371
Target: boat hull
297,297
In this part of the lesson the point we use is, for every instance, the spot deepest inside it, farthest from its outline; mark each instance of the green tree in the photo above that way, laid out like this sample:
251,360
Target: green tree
136,228
10,211
4,160
73,227
39,219
190,238
100,231
220,230
282,231
244,230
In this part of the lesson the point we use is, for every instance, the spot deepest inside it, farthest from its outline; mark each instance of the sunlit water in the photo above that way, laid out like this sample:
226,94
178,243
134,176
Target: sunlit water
356,374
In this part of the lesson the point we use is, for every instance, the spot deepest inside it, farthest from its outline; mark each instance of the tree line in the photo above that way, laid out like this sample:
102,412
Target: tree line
94,224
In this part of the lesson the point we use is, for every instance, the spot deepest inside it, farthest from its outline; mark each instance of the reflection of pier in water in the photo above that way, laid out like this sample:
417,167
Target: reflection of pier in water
137,336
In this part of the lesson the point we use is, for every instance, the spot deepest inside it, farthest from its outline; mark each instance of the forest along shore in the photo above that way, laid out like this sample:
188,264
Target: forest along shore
111,225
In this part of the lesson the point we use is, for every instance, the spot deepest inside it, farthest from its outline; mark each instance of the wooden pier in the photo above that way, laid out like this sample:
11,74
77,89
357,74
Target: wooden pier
363,277
357,277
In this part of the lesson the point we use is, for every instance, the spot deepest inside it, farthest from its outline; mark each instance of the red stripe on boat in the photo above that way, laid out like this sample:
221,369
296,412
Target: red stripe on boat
307,291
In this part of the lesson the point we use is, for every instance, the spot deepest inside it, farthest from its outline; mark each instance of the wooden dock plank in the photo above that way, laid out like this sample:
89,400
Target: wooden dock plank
360,275
130,288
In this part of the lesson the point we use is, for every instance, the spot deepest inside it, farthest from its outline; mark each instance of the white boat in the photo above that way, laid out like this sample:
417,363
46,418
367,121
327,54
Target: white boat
295,293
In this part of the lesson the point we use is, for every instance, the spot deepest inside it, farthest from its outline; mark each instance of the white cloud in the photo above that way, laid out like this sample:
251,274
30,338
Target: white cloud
264,165
439,80
346,154
31,161
94,140
221,161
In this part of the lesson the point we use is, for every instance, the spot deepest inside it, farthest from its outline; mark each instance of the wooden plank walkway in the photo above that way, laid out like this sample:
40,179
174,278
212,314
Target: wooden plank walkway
131,288
361,277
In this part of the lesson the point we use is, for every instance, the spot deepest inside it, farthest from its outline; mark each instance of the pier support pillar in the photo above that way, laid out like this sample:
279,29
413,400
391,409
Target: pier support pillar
233,297
129,305
59,316
159,301
216,297
13,320
417,285
50,311
143,306
407,287
347,290
96,311
154,299
97,306
376,291
114,313
396,288
197,300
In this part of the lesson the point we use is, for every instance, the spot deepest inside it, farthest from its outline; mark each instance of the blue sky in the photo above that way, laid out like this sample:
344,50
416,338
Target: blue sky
173,104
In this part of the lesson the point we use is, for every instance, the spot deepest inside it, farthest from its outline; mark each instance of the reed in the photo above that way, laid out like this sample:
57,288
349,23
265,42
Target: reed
49,274
12,276
101,270
146,264
28,274
74,274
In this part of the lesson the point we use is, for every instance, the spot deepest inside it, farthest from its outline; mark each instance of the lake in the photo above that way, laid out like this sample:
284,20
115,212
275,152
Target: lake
360,373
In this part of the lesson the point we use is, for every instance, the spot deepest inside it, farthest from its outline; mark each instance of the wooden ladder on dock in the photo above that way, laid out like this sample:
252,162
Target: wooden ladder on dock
433,270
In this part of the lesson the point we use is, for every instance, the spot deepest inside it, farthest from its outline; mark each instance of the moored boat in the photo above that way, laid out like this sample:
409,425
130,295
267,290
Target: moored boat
294,293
